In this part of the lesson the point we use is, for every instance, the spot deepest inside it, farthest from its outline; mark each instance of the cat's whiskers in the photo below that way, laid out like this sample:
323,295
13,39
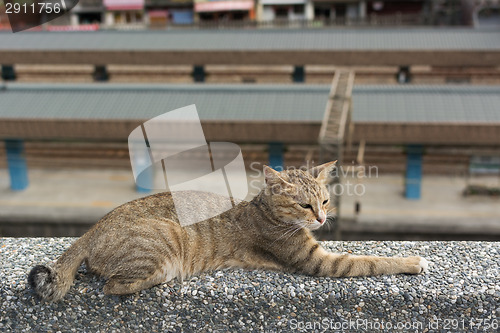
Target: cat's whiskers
291,230
284,225
331,212
288,231
296,230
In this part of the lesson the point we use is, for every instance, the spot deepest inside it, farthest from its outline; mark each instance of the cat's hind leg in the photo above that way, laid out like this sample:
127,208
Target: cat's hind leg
119,286
122,285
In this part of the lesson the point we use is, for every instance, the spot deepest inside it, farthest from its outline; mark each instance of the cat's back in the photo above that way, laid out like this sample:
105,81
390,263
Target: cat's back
154,218
167,206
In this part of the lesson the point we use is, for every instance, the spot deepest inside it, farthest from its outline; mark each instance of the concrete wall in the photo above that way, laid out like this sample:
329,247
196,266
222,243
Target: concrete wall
459,293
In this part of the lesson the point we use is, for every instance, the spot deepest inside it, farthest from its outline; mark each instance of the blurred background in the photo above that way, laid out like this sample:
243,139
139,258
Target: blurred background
405,94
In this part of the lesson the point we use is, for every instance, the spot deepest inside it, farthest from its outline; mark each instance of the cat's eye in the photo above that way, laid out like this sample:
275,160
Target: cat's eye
325,202
306,206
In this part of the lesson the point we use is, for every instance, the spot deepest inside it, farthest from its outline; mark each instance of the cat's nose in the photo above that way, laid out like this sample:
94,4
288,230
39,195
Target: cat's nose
321,217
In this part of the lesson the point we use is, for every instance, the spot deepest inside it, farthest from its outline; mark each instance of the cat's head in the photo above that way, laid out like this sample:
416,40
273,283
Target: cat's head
298,197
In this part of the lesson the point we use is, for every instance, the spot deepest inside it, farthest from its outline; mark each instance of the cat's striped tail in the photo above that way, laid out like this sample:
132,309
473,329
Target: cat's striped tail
51,283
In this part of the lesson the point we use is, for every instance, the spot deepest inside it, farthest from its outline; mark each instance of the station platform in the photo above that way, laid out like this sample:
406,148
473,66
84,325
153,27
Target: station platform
442,212
66,202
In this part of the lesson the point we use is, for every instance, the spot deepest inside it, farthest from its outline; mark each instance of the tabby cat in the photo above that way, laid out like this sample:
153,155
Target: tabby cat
140,244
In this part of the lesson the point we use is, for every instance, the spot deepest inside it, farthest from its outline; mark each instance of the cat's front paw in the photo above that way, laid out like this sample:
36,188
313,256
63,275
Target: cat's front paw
417,265
424,265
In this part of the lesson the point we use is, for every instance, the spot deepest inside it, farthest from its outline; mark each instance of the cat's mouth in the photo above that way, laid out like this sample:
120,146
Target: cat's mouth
314,225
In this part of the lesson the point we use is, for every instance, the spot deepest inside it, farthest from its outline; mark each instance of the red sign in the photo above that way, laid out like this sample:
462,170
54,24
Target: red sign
124,4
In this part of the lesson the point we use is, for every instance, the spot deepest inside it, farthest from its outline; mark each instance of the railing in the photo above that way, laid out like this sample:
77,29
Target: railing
369,21
372,20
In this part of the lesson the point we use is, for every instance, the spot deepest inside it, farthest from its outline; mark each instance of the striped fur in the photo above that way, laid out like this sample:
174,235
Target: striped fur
141,244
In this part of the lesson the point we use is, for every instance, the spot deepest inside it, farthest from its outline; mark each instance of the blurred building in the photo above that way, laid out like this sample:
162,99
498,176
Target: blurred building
4,20
124,11
337,9
346,11
275,13
396,7
482,13
270,10
224,10
88,12
160,13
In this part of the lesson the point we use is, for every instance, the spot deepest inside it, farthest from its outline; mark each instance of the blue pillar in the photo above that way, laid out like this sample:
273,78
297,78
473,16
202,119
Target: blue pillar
276,155
413,181
142,163
146,178
16,162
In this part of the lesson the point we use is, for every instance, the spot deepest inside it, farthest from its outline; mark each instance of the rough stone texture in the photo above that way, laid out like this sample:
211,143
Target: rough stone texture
460,293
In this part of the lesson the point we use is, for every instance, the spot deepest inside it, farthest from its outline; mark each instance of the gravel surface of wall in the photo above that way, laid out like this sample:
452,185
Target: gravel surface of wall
460,293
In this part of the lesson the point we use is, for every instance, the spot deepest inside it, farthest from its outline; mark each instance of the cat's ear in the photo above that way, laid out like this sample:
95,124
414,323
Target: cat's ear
273,177
322,172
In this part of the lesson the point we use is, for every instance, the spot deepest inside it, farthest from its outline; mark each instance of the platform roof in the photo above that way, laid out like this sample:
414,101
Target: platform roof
248,102
304,103
360,46
445,104
260,39
441,114
242,113
435,115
